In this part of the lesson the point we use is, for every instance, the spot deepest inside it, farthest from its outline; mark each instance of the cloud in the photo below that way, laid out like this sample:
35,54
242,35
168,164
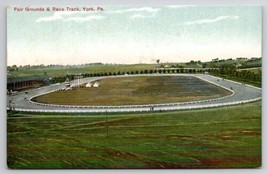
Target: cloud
63,15
142,9
49,18
135,16
208,21
141,16
56,16
149,12
84,19
177,6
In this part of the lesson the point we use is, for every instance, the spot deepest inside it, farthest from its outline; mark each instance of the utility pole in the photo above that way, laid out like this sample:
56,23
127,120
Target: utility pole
106,124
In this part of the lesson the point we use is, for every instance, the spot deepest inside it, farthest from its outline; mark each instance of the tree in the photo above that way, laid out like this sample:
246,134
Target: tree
192,62
14,67
157,61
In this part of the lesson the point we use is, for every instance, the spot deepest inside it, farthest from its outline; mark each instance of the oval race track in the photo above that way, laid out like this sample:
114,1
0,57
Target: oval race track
241,94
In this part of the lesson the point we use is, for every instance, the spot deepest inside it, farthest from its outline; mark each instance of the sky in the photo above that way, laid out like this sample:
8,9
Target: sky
132,34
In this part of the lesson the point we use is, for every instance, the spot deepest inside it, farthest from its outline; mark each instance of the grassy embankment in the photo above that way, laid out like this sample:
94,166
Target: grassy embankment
227,137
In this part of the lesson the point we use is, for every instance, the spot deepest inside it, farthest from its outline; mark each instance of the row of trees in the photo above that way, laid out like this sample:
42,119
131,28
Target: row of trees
226,72
160,71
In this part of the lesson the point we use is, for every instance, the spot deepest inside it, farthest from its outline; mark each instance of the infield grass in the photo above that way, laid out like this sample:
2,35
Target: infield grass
136,91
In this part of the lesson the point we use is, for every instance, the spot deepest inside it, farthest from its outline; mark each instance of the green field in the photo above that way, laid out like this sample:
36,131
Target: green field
226,137
108,68
136,91
63,71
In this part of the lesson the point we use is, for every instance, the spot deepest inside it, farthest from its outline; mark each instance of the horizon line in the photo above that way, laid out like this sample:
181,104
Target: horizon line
105,63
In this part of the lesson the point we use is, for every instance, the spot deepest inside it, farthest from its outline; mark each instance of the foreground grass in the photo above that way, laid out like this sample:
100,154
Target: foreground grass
228,137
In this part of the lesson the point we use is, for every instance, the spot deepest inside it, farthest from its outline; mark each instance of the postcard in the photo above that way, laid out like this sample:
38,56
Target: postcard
134,87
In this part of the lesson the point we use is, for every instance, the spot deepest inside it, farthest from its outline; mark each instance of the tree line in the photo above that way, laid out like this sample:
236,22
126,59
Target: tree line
149,71
224,72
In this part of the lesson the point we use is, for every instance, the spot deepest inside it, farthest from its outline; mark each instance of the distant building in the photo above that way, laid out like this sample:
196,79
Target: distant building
67,82
241,58
238,65
166,66
26,83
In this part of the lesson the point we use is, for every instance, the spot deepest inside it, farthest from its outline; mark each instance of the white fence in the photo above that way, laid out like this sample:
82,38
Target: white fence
130,109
